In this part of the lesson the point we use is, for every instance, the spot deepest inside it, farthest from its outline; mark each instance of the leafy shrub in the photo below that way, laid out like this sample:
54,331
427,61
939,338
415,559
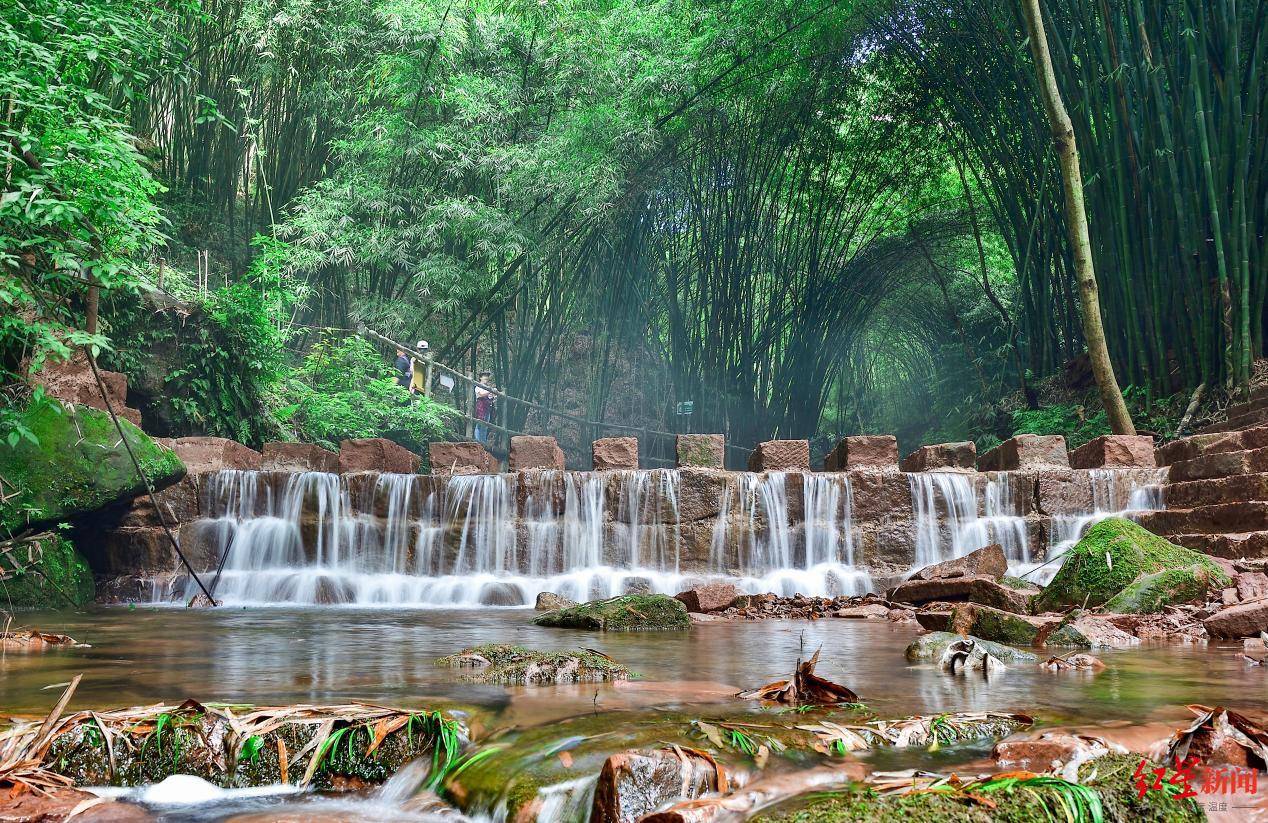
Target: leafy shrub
346,390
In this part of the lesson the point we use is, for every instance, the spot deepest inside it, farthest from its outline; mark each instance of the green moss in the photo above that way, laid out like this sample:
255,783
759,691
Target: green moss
60,580
930,647
627,613
1003,627
516,664
1087,578
1016,583
1150,593
79,465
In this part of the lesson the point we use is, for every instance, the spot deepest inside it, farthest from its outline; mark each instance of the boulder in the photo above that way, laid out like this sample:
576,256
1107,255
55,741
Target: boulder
780,455
930,648
712,596
988,561
706,451
996,625
1009,598
1115,450
211,454
72,382
1026,451
298,457
615,454
1251,585
863,451
627,613
530,451
1084,631
1151,593
1051,750
549,601
918,592
376,454
77,466
1242,620
460,458
634,784
942,457
46,574
1109,557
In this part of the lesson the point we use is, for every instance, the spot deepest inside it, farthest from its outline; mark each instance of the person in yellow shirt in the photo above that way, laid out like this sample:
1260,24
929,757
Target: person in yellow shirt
418,383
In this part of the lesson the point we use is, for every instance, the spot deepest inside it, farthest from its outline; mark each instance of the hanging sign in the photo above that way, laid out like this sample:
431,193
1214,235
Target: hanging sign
446,382
686,407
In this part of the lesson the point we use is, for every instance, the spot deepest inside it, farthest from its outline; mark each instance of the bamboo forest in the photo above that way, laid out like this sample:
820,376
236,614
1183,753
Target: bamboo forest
633,411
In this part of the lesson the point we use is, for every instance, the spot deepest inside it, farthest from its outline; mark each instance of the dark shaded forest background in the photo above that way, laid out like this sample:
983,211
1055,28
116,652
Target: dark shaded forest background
812,218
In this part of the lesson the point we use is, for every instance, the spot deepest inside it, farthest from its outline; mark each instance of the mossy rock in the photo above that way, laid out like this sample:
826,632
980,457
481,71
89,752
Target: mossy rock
627,613
60,579
1087,579
930,647
1002,627
1151,593
78,466
503,663
1041,801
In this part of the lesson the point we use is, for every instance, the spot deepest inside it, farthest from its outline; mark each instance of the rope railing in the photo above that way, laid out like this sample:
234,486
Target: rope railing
656,447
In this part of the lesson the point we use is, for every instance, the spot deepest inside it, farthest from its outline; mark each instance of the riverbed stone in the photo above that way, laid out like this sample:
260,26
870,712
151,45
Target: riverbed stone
530,451
706,451
988,561
517,665
1009,598
1115,451
960,456
1109,557
549,601
918,592
463,457
634,784
780,455
627,613
878,451
1026,451
1051,750
298,457
77,466
996,625
710,596
1242,620
930,648
1251,585
615,454
1084,631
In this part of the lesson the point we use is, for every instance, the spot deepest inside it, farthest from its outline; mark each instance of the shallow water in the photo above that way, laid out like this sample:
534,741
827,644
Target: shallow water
268,656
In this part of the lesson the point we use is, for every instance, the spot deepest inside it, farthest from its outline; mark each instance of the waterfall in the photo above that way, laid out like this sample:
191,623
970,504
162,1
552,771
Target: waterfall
943,504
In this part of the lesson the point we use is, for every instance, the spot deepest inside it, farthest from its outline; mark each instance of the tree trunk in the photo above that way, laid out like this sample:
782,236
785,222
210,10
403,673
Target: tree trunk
1076,223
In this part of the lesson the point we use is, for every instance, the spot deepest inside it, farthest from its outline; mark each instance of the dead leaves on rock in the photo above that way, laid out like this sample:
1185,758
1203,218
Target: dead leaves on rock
1220,735
33,640
1074,663
926,731
743,737
805,688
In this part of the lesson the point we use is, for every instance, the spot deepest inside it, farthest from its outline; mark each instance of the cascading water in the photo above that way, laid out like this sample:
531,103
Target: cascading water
945,505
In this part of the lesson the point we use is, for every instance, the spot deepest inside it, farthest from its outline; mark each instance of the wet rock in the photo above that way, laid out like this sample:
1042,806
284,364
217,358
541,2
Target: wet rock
996,625
1051,751
549,601
931,647
934,619
1090,632
460,458
700,497
863,451
58,805
1114,450
330,591
988,561
535,452
627,613
1026,451
615,453
1243,620
780,455
1015,599
77,467
1109,557
707,451
298,457
142,549
941,457
637,783
919,592
501,594
871,611
713,596
1151,593
1251,585
376,454
500,663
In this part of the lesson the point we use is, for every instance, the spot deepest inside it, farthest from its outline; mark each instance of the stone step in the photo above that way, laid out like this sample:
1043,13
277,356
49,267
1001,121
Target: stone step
1199,445
1221,464
1232,546
1246,420
1216,518
1239,487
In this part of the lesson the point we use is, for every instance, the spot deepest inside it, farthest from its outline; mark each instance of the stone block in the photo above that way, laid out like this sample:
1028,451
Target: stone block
535,452
988,561
376,454
615,454
1223,464
1235,622
942,457
460,458
298,457
209,454
780,455
863,451
1026,451
707,451
1115,451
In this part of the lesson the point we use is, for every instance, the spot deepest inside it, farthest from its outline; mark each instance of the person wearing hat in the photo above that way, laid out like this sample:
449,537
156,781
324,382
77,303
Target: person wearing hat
418,385
404,369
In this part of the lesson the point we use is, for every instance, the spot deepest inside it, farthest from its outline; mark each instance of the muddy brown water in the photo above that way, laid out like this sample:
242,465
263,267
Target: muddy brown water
333,655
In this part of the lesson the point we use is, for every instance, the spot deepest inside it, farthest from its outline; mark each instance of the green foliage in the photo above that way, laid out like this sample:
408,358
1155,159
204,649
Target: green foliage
345,389
1081,422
